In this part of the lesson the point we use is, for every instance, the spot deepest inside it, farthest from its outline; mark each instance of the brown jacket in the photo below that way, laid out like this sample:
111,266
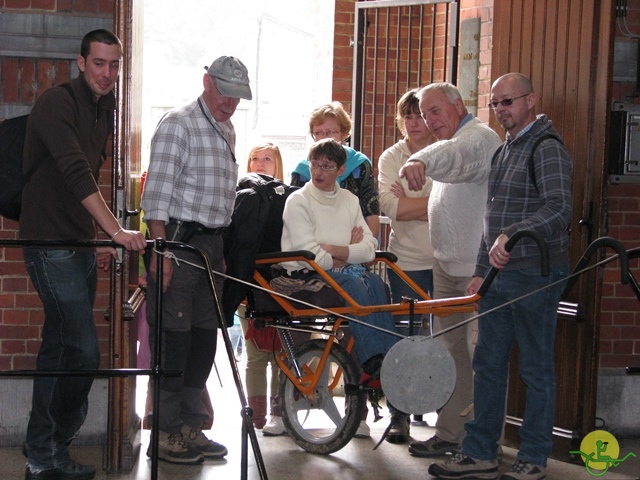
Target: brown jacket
67,135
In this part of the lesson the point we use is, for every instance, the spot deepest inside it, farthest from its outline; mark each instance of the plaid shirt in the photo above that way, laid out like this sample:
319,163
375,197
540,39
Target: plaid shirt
515,204
192,173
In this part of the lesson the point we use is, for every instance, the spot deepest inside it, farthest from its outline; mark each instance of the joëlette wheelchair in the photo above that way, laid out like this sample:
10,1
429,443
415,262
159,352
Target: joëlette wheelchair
321,396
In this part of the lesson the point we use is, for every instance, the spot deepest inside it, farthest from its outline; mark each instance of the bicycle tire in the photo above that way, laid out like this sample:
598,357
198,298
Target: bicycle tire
327,424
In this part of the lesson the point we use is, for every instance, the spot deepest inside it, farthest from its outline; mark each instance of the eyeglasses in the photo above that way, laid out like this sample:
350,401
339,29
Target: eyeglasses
325,167
324,133
507,102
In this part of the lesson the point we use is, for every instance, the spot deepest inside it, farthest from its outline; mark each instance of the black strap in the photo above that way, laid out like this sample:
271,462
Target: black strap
532,171
217,131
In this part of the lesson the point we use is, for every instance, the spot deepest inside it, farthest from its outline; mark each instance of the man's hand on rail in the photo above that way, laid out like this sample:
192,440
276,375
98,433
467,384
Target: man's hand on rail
414,172
498,255
130,239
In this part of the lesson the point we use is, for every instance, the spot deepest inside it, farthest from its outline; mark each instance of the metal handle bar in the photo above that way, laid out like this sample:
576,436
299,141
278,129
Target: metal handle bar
586,257
544,257
631,254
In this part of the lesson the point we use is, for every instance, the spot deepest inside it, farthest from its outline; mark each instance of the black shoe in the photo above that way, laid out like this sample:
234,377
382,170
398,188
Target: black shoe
72,470
433,447
399,431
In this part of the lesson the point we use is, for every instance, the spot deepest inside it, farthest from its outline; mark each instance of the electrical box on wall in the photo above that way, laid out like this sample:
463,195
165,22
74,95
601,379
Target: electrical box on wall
624,143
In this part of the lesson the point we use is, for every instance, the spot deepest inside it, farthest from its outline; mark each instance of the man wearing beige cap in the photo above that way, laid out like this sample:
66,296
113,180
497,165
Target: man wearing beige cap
188,197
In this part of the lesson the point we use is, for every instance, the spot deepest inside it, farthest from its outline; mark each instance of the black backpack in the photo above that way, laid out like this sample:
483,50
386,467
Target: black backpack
256,227
12,180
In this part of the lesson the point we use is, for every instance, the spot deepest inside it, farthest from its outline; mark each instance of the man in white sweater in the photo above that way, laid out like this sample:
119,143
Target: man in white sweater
327,220
459,164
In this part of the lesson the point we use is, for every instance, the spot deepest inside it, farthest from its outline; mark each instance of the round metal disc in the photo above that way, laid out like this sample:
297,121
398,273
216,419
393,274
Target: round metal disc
418,375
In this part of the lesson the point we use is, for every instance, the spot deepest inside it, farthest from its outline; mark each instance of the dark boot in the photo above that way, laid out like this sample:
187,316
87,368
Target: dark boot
259,407
399,429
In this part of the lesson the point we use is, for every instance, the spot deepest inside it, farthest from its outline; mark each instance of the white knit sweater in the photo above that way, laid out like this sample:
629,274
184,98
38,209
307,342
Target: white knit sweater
460,169
409,239
312,217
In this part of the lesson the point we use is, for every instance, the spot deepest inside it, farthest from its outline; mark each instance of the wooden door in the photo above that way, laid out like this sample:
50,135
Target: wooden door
123,422
565,47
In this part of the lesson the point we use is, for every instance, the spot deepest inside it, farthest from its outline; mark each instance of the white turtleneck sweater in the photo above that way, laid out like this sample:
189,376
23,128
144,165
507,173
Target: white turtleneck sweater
312,217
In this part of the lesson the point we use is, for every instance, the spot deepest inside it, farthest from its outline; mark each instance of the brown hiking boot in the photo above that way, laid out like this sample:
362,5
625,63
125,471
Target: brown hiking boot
173,449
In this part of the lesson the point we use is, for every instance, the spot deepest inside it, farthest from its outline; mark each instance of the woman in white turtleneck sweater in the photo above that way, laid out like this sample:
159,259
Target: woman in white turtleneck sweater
325,219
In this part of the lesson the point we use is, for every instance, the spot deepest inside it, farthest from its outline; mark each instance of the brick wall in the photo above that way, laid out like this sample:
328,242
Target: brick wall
24,78
103,7
400,55
620,314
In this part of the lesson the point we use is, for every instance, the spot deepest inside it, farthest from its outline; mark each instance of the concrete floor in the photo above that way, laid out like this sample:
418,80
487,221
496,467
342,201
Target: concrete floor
284,460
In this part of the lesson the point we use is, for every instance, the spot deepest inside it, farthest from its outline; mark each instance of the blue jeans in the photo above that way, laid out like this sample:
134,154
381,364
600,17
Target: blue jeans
531,322
399,289
368,289
66,283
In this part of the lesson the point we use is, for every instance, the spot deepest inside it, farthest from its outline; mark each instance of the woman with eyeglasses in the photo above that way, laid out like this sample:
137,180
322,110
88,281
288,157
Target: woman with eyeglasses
332,121
326,220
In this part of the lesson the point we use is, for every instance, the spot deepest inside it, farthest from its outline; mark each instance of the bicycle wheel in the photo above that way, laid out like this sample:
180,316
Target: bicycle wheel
325,424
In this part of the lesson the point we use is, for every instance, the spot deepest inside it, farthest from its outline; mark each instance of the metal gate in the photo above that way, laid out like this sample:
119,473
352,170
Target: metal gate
399,45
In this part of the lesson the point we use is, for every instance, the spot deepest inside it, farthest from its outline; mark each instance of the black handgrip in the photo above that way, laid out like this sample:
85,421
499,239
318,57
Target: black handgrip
306,254
386,255
544,257
631,254
591,249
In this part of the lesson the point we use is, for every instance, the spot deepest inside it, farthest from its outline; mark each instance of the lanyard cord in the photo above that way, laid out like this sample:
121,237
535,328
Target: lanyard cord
217,131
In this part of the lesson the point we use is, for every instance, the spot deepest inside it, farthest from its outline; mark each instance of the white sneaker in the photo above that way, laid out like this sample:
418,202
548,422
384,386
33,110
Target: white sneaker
363,430
274,427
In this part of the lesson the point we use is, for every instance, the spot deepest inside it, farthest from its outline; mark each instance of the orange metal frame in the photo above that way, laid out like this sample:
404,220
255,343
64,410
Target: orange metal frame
424,305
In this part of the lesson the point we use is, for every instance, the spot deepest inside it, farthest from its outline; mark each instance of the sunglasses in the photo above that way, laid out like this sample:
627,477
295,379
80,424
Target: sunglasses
507,102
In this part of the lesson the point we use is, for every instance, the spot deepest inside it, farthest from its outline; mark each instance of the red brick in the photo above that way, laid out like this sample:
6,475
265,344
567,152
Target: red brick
44,75
24,362
7,300
28,83
14,285
28,301
610,333
60,72
43,4
12,347
616,361
10,86
106,6
85,6
6,363
65,5
33,347
605,346
14,332
15,317
623,347
25,4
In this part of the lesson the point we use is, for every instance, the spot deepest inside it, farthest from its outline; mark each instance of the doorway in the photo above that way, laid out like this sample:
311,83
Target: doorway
287,47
